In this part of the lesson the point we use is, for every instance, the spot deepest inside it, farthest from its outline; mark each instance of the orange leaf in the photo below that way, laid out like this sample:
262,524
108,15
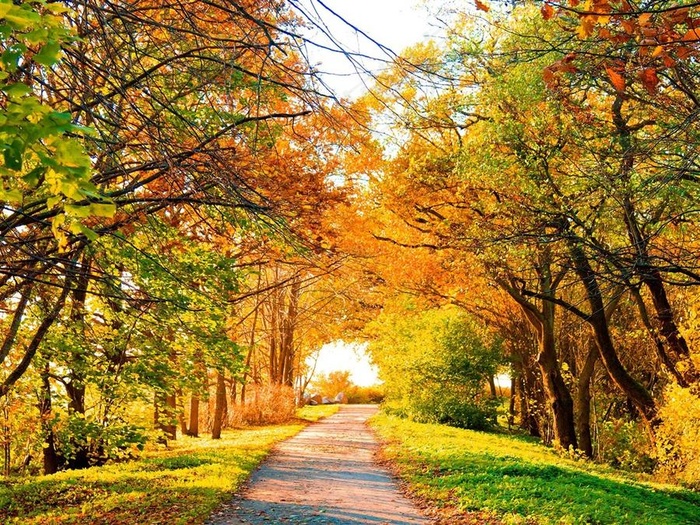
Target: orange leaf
628,26
547,11
644,19
658,50
683,52
482,6
617,80
586,28
692,35
650,79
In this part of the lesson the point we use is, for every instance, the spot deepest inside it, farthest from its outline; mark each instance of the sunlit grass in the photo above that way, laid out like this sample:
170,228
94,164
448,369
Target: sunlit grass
182,484
519,482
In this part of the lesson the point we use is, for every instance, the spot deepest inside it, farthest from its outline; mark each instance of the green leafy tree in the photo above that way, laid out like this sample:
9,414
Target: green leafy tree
435,365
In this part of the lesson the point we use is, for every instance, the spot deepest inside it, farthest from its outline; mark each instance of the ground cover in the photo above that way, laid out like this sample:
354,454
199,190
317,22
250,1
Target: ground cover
179,485
477,477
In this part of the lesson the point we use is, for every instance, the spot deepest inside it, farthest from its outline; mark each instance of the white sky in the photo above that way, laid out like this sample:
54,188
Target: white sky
346,356
396,24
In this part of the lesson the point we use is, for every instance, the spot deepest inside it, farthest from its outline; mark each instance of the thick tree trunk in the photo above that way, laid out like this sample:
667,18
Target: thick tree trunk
558,394
528,420
639,395
542,320
219,406
287,350
492,387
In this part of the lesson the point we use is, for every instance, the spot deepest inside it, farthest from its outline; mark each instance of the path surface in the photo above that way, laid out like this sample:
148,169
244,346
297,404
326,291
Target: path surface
326,474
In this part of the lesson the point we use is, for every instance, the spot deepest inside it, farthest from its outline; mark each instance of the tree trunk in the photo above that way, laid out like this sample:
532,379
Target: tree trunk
52,460
542,320
165,416
583,403
511,405
492,387
219,406
639,395
193,429
528,420
558,394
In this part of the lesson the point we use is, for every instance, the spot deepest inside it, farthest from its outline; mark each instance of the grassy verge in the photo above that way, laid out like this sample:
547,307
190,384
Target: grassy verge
475,477
181,485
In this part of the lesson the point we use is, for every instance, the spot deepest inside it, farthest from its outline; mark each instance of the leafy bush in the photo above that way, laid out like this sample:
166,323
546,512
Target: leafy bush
99,443
435,365
364,395
625,445
678,440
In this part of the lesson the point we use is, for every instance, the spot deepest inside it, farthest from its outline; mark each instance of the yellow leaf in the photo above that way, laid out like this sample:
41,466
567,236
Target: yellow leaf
658,50
103,210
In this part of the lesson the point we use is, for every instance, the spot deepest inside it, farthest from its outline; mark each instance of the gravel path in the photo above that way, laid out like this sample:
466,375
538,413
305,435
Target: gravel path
326,474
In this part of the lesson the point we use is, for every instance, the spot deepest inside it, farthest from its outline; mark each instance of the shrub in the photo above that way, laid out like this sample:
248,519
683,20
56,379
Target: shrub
436,364
364,395
99,442
625,445
265,405
678,439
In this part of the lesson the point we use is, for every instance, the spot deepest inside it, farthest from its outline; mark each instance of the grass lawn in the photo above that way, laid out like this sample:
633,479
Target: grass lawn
476,477
181,485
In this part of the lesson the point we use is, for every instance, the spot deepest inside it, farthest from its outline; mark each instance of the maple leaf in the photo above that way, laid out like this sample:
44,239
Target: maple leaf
617,80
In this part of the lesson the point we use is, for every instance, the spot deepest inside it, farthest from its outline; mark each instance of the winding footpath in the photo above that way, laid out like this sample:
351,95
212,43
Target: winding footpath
326,474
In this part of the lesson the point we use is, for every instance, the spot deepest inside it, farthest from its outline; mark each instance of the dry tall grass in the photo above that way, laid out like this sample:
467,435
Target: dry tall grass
265,405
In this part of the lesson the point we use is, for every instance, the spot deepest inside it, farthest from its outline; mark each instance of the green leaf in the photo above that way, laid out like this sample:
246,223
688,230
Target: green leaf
5,7
13,155
32,178
76,228
70,189
16,90
36,36
49,54
11,195
12,55
75,210
21,17
51,202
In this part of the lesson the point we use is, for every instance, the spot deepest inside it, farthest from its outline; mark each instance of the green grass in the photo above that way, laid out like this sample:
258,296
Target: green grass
513,481
180,485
